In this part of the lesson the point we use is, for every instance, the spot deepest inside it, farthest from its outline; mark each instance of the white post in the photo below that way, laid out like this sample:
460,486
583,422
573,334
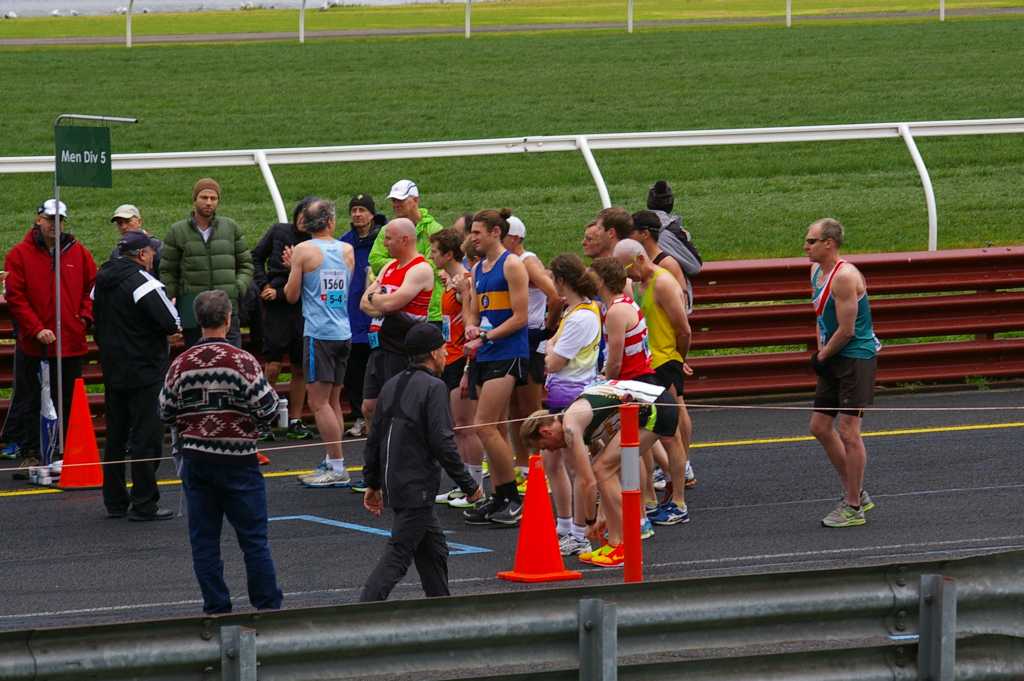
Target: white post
469,17
929,193
789,13
302,22
128,25
629,16
942,10
268,177
595,172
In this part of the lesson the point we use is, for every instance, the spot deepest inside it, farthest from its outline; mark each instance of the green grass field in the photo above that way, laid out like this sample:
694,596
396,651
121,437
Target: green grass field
452,14
740,202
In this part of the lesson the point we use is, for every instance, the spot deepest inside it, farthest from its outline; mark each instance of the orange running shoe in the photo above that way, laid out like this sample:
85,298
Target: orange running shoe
262,459
614,557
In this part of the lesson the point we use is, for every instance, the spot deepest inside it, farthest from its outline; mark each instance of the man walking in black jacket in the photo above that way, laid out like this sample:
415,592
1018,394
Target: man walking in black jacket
411,439
133,319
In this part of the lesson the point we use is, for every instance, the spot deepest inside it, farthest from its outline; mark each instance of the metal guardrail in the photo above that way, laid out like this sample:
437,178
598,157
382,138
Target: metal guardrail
886,622
584,144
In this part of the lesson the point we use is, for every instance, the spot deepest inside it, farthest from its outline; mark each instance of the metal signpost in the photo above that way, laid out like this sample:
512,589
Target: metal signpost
81,159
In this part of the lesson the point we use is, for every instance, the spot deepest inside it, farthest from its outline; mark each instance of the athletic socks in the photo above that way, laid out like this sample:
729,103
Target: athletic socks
507,491
579,531
477,473
563,526
337,465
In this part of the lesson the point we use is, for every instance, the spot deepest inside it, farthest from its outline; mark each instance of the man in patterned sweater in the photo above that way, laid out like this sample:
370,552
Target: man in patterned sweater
217,397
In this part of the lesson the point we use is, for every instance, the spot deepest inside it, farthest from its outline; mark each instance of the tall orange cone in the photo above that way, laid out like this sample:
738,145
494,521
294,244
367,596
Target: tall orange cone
537,556
81,469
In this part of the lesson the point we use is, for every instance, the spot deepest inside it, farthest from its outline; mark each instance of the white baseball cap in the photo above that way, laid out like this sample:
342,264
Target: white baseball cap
403,189
516,227
51,207
126,211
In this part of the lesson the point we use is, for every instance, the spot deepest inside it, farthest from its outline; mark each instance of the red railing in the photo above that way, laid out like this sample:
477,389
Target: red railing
752,305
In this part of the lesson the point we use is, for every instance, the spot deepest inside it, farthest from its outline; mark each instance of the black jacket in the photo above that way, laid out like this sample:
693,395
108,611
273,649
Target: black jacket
411,439
266,256
133,319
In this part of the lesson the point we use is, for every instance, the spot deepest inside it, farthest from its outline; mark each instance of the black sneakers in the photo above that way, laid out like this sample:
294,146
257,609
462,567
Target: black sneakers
493,510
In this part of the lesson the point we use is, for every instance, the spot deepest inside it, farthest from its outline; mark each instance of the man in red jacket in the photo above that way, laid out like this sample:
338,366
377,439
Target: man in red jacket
31,300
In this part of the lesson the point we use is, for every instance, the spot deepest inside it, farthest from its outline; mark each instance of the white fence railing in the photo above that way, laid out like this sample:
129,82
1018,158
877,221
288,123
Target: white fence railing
583,144
469,20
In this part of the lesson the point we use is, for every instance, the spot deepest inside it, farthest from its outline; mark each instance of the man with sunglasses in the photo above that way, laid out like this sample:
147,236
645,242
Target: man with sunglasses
845,363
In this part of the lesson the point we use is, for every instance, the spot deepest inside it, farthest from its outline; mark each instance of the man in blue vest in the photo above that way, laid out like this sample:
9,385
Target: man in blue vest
845,363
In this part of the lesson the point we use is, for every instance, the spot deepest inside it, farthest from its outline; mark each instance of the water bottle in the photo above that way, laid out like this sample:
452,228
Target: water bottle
282,413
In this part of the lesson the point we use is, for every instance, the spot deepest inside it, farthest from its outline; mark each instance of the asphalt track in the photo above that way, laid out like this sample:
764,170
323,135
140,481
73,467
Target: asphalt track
514,28
948,482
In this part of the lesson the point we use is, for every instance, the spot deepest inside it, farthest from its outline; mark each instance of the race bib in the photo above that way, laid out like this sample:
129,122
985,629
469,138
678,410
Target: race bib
332,289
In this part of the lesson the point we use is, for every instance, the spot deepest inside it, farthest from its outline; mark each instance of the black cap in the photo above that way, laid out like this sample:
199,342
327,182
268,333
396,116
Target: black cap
134,240
364,200
423,338
660,197
647,220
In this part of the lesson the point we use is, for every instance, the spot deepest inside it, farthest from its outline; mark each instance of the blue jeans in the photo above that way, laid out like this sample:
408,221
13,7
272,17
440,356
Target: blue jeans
215,490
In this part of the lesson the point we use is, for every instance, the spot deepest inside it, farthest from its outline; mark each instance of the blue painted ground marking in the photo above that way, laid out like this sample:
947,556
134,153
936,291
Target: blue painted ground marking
454,549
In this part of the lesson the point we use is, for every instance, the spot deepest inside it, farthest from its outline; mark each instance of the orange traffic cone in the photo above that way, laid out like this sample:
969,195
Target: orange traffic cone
537,556
81,469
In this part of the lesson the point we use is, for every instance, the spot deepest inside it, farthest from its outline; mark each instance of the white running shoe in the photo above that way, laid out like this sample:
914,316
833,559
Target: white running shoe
569,545
329,478
450,496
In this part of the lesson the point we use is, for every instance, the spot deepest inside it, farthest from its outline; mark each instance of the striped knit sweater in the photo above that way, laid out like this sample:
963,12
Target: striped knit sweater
216,395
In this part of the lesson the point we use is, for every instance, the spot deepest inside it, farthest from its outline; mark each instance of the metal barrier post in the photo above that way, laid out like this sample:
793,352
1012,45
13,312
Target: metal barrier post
926,182
942,10
789,13
302,23
936,647
602,189
629,16
598,640
268,176
128,25
632,504
237,654
469,17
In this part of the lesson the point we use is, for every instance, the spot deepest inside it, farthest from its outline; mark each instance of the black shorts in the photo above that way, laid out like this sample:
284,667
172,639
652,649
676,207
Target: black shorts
282,332
670,375
325,360
452,375
481,372
381,366
535,368
847,387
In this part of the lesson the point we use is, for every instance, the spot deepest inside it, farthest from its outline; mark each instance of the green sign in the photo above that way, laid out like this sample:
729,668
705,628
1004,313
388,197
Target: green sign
83,156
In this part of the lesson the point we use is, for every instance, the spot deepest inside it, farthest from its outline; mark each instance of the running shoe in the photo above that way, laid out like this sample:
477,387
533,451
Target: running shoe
262,459
646,528
462,502
691,479
358,428
321,467
481,511
866,502
10,451
449,496
670,514
615,557
329,478
358,486
27,462
659,479
844,515
588,557
651,510
297,430
509,513
265,435
570,545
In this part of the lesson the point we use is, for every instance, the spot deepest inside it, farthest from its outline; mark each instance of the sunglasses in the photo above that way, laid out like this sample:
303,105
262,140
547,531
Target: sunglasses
812,240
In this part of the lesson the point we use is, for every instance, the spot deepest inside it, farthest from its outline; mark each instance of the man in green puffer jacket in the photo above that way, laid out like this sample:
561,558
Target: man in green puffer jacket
405,202
201,253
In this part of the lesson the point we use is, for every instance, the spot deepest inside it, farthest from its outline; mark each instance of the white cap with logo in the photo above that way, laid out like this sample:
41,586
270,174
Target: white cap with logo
50,208
516,227
126,211
403,189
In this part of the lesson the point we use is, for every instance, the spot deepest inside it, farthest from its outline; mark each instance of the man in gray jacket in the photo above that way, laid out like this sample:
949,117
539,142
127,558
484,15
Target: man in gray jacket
411,439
